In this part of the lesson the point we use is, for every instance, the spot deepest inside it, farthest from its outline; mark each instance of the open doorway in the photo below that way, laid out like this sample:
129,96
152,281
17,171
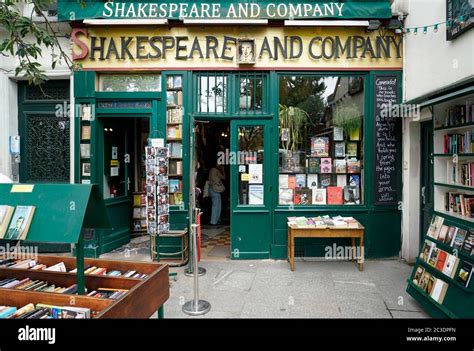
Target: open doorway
212,139
123,165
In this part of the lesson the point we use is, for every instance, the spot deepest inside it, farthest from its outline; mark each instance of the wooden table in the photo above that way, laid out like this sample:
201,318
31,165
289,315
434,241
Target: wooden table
326,232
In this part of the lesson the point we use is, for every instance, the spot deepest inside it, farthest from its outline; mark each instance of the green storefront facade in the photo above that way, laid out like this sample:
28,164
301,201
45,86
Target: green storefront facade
257,231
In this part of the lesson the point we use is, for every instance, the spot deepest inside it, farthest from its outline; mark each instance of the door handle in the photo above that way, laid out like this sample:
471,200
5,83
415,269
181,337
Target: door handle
423,197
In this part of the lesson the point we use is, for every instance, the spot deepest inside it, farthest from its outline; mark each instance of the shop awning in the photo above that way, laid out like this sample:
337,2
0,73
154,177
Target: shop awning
461,88
76,10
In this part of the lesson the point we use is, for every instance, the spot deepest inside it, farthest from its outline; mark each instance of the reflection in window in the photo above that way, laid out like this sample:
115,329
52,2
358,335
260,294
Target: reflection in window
321,146
251,92
250,165
212,90
129,83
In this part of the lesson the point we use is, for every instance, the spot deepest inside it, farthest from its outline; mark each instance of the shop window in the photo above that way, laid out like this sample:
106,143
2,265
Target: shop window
459,17
212,92
250,92
250,163
129,83
321,140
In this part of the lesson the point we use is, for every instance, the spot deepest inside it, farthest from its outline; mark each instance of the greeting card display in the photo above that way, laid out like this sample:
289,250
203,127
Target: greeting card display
157,204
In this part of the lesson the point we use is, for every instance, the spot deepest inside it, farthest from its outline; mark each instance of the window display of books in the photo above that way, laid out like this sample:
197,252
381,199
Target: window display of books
174,136
329,174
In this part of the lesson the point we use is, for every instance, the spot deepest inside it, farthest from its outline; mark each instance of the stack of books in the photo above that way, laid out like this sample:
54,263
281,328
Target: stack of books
28,284
459,203
43,311
61,267
461,173
458,143
459,114
323,222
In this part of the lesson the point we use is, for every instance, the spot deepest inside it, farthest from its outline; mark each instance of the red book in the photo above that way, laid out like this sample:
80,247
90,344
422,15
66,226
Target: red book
441,260
292,182
334,195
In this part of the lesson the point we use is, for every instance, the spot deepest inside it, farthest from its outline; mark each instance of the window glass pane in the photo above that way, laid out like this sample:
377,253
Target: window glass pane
212,89
251,92
250,165
129,83
321,144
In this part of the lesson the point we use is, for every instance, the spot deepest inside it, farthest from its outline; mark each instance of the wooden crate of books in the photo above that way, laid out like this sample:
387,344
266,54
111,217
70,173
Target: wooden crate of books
115,289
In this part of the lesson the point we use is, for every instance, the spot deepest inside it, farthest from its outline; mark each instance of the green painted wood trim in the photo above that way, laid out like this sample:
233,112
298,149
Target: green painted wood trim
457,186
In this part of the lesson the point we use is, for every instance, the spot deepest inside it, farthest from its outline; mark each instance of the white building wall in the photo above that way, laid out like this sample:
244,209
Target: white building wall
9,94
430,64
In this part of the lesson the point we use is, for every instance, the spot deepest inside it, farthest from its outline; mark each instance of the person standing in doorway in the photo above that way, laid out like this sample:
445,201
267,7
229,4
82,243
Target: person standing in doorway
216,188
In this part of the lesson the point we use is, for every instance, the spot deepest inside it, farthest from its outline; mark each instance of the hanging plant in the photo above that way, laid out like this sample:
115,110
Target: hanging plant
293,119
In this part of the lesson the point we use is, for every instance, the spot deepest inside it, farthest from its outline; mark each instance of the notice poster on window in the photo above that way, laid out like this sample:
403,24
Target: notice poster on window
255,173
255,194
386,90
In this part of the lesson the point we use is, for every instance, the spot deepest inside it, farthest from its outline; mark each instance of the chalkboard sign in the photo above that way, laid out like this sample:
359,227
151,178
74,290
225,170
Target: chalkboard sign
386,90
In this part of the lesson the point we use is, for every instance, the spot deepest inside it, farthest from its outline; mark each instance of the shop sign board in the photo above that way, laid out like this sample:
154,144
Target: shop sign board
149,48
73,10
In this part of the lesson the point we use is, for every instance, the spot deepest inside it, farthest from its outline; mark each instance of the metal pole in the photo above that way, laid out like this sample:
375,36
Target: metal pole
189,271
196,307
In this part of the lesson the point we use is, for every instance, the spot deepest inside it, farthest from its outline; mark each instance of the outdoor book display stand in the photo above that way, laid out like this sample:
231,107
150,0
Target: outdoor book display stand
458,301
449,241
62,212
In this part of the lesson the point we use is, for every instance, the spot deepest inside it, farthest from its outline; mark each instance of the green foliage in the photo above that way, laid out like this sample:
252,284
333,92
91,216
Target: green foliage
294,120
348,118
305,93
25,38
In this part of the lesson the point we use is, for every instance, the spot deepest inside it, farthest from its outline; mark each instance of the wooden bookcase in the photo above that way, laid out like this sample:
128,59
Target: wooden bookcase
153,290
449,119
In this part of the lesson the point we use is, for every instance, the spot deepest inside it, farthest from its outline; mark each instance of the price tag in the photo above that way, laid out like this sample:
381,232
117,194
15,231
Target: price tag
22,188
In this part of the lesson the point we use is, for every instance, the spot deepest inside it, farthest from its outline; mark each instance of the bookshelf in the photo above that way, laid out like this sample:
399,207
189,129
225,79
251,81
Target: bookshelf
85,136
139,213
453,190
453,158
174,136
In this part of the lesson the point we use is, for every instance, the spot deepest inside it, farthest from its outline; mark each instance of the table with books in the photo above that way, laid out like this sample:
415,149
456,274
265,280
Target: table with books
326,227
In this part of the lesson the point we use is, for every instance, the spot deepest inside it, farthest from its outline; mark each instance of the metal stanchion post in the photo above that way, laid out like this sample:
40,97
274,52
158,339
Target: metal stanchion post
196,307
189,271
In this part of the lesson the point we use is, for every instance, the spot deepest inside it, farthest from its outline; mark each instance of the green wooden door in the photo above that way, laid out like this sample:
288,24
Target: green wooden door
251,224
426,179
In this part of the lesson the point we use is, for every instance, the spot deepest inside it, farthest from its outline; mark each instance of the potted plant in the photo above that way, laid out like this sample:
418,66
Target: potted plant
349,119
292,121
